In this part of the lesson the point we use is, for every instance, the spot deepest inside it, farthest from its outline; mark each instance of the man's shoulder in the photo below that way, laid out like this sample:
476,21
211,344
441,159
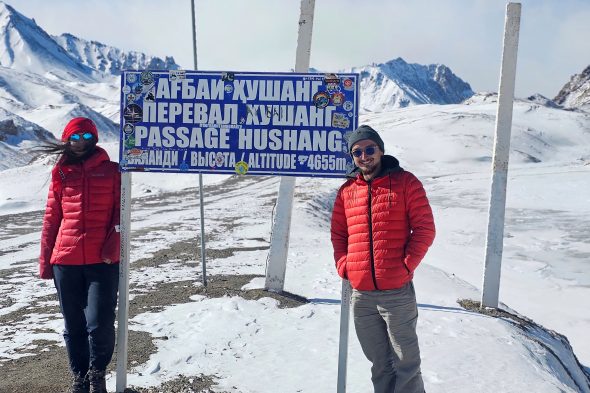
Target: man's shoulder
348,183
403,174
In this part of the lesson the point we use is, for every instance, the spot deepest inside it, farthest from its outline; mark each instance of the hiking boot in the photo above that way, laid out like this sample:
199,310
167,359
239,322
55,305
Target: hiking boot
97,380
80,383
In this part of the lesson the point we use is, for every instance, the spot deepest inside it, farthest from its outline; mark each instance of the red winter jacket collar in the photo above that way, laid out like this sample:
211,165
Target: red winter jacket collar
381,229
82,210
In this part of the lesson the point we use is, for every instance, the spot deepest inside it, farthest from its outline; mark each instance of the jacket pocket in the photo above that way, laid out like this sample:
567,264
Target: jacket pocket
111,249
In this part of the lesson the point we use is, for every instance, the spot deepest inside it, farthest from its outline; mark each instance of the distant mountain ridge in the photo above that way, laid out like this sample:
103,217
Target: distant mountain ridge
111,60
398,84
36,89
26,47
576,93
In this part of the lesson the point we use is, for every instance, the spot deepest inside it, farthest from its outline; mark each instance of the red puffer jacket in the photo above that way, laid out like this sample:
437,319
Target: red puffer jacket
382,229
82,215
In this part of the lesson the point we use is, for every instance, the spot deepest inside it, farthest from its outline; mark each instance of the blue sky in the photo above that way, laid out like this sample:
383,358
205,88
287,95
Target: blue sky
261,35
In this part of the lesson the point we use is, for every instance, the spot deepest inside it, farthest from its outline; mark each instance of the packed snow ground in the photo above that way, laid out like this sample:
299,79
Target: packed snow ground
256,347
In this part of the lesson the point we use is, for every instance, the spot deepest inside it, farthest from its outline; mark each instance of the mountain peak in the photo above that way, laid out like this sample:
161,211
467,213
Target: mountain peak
397,84
5,8
28,48
575,93
108,59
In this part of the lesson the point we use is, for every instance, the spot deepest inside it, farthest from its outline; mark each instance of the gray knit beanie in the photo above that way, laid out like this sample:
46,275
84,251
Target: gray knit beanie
365,132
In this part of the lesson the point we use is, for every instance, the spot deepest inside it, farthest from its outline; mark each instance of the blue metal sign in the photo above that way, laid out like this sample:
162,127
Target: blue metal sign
237,122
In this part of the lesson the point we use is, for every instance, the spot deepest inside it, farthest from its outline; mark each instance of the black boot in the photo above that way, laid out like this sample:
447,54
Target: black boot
80,383
97,381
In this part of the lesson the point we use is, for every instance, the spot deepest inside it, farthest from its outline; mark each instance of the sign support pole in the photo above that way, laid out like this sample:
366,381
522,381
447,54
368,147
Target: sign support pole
344,327
497,210
279,244
201,202
123,310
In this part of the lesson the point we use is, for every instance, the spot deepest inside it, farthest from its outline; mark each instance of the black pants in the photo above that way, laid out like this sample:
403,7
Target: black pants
88,297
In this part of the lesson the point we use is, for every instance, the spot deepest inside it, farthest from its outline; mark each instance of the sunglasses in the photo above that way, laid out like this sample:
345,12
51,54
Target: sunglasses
86,136
369,151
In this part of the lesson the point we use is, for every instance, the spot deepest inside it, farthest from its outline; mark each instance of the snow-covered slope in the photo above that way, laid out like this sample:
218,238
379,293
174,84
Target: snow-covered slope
17,136
254,345
576,93
397,84
110,60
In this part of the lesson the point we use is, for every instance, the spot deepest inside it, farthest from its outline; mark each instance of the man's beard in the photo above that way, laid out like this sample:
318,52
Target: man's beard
370,170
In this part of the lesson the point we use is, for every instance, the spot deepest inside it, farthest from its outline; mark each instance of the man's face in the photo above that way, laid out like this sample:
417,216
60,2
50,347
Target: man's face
369,164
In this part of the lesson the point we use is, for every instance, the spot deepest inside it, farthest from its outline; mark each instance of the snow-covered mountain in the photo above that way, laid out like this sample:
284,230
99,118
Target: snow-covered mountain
576,93
398,84
17,136
110,60
46,80
542,100
26,47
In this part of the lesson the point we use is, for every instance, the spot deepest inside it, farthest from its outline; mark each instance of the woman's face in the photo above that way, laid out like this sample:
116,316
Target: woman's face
80,143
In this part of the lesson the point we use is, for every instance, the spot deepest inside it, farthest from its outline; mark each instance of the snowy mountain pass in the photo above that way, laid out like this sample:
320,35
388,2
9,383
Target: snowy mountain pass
245,340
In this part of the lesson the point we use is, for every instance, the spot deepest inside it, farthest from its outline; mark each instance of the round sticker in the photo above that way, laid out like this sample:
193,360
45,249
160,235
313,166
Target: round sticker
132,113
229,88
347,105
126,89
131,78
128,129
337,99
241,168
348,84
219,159
131,97
321,99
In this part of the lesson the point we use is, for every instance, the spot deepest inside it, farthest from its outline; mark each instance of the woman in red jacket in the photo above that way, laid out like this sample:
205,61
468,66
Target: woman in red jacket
80,250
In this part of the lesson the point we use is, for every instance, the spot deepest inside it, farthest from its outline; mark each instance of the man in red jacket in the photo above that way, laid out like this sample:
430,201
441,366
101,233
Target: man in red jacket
382,226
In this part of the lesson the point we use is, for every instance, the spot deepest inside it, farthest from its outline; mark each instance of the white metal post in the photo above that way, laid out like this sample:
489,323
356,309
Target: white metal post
201,198
494,243
123,311
343,345
279,244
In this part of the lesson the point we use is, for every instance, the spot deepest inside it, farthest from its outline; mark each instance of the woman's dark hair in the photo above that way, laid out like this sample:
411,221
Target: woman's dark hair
63,149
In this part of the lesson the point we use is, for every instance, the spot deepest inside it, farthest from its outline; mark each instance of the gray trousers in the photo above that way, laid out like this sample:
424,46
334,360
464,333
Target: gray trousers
385,323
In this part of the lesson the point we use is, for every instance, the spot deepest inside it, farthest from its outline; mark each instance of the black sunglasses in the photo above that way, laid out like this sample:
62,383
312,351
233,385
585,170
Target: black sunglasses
369,151
76,137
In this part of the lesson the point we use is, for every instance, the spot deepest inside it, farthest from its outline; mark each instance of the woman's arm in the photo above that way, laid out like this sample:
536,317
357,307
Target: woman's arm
51,223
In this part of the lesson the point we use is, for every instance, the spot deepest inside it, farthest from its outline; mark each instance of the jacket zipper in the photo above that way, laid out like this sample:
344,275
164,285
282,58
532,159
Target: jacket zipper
371,238
84,210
